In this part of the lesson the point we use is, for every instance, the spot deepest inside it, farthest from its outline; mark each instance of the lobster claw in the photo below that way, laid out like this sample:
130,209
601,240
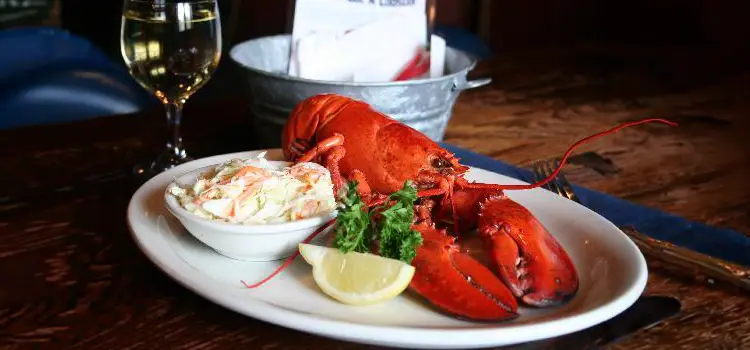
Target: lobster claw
530,261
456,283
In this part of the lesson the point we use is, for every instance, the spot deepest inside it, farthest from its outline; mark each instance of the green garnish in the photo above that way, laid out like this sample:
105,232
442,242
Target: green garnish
352,223
356,229
397,239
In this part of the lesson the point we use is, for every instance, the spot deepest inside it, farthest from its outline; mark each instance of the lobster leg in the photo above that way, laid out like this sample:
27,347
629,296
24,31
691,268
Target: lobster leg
321,147
528,258
363,188
333,157
333,151
456,283
462,207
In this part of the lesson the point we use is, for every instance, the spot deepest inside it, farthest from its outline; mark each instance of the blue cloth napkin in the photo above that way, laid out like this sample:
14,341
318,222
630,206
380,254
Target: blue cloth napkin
722,243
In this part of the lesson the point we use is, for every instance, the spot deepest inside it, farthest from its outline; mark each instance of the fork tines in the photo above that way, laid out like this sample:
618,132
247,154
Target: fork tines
559,184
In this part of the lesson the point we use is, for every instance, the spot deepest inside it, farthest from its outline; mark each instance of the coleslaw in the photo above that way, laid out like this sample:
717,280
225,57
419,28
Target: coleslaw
256,191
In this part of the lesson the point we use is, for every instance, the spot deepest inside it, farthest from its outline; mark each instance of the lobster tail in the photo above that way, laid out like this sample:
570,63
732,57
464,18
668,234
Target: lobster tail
306,119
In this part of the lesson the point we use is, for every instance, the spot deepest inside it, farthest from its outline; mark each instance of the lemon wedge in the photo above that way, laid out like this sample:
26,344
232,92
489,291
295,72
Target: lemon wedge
356,278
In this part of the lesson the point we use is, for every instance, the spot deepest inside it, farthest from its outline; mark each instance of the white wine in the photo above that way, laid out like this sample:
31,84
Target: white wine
171,49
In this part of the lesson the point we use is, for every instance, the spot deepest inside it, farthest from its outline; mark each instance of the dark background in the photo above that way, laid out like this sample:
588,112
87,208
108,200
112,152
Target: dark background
513,25
708,37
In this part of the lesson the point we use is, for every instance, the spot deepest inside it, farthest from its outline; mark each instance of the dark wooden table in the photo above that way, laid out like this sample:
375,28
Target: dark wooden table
73,278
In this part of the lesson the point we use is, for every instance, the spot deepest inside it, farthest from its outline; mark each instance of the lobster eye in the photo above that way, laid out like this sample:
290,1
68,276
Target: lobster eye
440,163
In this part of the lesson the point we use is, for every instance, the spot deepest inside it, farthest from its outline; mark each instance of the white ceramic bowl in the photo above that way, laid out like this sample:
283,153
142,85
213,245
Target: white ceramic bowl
249,242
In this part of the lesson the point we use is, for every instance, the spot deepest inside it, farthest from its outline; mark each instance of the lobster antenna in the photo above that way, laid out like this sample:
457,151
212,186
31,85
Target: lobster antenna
567,155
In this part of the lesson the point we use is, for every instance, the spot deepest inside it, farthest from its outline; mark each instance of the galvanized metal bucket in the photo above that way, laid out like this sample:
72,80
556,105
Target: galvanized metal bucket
424,104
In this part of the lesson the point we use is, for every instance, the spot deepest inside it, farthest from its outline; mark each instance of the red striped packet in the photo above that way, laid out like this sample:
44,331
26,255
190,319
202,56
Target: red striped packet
418,67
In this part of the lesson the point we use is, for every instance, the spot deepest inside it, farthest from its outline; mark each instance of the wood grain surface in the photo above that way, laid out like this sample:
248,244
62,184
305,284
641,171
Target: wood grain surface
73,278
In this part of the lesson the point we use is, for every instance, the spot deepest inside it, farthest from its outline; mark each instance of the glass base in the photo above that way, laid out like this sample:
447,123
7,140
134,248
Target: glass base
164,162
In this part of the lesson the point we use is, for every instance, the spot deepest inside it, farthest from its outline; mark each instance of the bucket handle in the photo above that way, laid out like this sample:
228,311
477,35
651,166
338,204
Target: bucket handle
470,84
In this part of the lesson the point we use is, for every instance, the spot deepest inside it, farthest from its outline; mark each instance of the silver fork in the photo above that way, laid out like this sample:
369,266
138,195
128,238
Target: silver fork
560,184
711,267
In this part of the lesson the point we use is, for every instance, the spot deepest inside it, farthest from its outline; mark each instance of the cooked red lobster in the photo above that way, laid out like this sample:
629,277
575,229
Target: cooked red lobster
355,142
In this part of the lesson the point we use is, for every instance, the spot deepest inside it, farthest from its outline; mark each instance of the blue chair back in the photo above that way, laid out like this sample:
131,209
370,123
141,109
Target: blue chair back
48,75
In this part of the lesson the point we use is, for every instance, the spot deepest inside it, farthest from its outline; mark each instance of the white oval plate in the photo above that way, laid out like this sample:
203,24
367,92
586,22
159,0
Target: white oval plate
612,271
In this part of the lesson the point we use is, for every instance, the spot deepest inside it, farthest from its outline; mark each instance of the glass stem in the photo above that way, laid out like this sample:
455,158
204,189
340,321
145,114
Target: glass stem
174,118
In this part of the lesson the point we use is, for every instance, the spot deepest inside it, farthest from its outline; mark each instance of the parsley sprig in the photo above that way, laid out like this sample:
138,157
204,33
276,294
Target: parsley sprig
352,223
397,240
388,224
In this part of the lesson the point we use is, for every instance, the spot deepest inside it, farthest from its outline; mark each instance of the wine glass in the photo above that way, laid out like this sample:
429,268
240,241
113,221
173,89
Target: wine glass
171,48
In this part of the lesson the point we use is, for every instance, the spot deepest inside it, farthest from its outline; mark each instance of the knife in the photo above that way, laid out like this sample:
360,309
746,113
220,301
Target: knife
646,312
692,262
